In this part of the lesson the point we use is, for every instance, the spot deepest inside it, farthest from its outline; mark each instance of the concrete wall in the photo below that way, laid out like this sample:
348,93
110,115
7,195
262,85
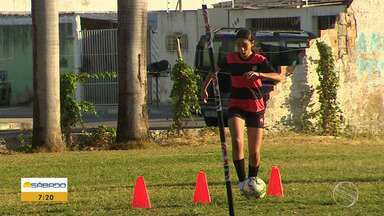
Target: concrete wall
168,24
360,55
189,23
358,46
16,54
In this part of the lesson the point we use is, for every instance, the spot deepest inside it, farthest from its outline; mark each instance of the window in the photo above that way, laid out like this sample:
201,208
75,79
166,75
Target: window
327,22
263,24
171,42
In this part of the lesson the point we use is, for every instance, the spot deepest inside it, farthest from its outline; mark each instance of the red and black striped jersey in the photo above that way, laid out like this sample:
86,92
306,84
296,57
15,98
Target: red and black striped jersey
245,94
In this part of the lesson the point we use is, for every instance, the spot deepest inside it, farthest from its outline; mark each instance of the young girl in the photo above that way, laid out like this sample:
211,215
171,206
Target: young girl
247,103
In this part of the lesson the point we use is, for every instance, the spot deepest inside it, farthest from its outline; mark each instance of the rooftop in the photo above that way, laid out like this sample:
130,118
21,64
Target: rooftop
25,14
255,4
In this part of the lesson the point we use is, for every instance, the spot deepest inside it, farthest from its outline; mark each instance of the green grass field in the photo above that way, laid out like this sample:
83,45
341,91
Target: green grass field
101,182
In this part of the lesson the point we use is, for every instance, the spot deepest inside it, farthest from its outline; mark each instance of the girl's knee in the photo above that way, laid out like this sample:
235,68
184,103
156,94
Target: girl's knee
237,143
237,139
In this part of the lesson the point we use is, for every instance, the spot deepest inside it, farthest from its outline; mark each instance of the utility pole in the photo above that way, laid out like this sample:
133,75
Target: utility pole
167,6
179,5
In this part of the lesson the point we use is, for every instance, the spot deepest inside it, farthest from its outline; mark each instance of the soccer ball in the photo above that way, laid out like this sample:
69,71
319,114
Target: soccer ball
255,188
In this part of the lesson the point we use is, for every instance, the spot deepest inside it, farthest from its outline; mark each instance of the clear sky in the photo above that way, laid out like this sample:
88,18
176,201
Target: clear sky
187,4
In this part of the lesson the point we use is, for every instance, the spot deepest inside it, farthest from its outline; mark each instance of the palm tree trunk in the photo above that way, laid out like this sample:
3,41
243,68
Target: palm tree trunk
132,35
46,77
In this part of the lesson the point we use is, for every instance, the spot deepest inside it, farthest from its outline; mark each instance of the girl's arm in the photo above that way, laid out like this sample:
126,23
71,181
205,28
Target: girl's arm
208,80
271,76
211,77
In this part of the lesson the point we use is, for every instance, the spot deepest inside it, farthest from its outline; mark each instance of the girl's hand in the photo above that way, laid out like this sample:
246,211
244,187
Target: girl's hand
251,74
212,75
204,95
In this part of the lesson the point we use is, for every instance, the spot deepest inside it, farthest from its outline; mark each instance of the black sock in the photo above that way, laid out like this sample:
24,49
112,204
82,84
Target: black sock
240,169
252,171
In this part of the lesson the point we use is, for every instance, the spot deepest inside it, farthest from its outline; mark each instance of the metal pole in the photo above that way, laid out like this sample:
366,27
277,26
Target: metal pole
219,112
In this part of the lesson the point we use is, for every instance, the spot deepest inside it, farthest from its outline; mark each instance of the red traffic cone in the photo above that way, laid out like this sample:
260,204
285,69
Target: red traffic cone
201,190
275,187
140,195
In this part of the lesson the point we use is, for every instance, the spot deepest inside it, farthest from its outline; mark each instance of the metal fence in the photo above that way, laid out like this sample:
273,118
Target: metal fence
99,54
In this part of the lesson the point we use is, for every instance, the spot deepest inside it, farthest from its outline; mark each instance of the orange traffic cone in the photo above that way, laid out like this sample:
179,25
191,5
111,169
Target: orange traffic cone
275,187
201,190
140,195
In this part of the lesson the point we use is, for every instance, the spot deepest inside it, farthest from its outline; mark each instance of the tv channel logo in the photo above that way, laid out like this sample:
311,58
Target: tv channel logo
44,189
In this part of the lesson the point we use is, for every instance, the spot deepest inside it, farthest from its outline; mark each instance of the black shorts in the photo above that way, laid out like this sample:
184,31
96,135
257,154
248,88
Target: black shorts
252,119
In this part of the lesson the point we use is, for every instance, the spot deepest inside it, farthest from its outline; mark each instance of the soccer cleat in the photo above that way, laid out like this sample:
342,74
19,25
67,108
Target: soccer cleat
241,187
251,185
244,191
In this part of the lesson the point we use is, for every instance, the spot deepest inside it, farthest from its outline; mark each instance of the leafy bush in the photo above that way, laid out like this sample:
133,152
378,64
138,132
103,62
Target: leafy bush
184,94
72,110
102,138
331,117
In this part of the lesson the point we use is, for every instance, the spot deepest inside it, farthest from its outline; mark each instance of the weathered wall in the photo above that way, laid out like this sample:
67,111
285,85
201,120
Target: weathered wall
361,62
293,99
358,47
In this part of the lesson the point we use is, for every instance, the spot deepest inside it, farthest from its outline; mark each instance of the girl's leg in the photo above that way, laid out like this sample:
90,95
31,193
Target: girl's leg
236,127
255,138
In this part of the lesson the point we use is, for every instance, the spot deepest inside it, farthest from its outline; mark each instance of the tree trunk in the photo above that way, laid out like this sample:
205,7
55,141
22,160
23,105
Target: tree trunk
46,77
132,122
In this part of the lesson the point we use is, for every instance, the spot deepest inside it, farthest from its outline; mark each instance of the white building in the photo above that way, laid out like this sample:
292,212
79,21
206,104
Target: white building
97,19
166,26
